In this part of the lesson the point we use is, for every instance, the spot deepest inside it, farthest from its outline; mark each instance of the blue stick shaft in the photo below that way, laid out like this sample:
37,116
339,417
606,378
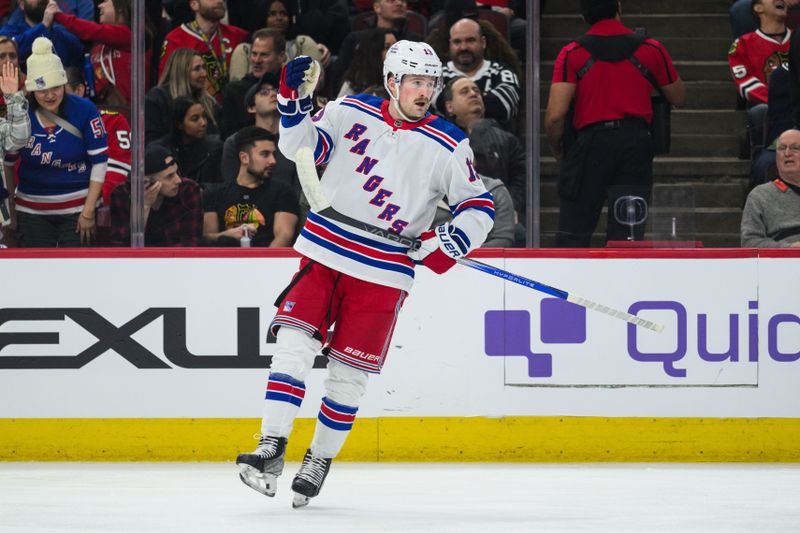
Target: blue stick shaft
508,276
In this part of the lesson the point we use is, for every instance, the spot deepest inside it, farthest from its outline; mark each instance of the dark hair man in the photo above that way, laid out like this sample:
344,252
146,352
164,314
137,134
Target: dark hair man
267,210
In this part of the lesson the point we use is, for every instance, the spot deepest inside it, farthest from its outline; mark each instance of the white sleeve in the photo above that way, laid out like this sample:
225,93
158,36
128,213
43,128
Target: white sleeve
317,132
471,204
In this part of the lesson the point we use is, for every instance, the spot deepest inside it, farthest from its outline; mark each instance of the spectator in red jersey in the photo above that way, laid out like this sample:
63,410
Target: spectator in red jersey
111,50
743,20
754,55
173,210
184,76
118,133
612,155
206,34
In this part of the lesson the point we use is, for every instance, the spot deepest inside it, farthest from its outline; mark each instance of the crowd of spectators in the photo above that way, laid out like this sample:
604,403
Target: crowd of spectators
213,69
213,172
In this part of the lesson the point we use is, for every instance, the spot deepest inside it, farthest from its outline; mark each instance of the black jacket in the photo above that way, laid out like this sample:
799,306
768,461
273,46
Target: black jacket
499,154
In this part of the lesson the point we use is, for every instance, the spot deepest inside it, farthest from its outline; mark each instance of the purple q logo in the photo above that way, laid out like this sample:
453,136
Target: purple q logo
508,333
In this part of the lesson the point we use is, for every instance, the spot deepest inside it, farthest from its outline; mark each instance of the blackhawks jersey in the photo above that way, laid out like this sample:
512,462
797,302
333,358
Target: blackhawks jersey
216,51
752,58
499,87
119,151
55,165
111,53
389,173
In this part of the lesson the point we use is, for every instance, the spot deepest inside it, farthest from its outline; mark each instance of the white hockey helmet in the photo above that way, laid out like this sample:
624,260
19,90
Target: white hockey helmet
408,57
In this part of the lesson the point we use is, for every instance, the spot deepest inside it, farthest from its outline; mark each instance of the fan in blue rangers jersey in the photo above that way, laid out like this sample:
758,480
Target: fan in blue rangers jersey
388,164
63,165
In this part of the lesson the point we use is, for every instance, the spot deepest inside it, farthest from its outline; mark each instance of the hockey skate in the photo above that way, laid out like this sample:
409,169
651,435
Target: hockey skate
308,481
260,469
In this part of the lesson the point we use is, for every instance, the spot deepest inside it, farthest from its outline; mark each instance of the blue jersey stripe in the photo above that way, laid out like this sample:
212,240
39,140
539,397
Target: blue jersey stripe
435,138
355,256
333,228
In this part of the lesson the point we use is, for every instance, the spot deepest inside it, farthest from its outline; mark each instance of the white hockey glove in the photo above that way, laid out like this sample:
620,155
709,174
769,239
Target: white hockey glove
440,248
298,80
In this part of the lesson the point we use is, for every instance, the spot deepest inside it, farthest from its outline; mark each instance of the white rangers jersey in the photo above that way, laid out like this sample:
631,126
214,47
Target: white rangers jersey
390,174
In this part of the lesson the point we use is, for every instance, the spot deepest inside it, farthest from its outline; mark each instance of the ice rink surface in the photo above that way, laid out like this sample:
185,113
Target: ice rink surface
208,497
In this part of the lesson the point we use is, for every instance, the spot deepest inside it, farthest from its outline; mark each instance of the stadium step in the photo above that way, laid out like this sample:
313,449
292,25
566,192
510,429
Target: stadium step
692,145
720,192
700,167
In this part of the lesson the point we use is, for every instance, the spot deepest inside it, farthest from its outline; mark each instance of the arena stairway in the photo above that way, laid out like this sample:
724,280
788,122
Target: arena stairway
703,166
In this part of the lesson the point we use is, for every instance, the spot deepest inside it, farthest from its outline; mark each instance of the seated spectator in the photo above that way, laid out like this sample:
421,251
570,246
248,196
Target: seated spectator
503,232
267,54
206,34
498,83
173,210
197,153
498,153
794,78
24,30
753,56
63,166
262,102
367,67
779,119
771,217
8,54
118,135
15,129
111,48
279,18
743,20
267,210
184,76
390,15
322,21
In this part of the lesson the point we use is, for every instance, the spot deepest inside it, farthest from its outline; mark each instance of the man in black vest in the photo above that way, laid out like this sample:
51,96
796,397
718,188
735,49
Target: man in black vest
610,72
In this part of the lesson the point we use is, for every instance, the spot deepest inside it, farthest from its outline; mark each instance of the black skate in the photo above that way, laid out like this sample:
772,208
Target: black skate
308,481
261,468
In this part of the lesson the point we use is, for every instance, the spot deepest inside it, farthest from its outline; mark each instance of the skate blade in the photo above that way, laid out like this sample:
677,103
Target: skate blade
300,500
266,484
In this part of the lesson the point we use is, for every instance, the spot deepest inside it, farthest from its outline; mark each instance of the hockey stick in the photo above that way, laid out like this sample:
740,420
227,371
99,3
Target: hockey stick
309,181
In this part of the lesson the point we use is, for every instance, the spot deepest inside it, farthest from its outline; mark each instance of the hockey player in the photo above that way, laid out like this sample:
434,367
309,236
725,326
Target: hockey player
388,164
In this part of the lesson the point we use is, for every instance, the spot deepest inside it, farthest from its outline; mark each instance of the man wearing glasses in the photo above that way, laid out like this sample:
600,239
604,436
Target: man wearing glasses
771,217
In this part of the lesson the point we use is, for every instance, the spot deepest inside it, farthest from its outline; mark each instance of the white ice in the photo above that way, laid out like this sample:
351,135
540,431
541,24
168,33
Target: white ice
373,497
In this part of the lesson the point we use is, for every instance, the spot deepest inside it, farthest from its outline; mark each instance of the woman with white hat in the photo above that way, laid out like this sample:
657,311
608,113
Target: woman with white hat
63,165
15,128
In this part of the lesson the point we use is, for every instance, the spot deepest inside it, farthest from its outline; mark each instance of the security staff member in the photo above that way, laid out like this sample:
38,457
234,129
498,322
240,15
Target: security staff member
612,153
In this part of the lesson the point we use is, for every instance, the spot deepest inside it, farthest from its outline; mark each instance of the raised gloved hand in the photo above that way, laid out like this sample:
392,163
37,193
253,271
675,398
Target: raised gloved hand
440,248
298,80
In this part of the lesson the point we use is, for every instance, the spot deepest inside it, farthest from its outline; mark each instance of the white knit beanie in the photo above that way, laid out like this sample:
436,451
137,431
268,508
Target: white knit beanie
44,67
